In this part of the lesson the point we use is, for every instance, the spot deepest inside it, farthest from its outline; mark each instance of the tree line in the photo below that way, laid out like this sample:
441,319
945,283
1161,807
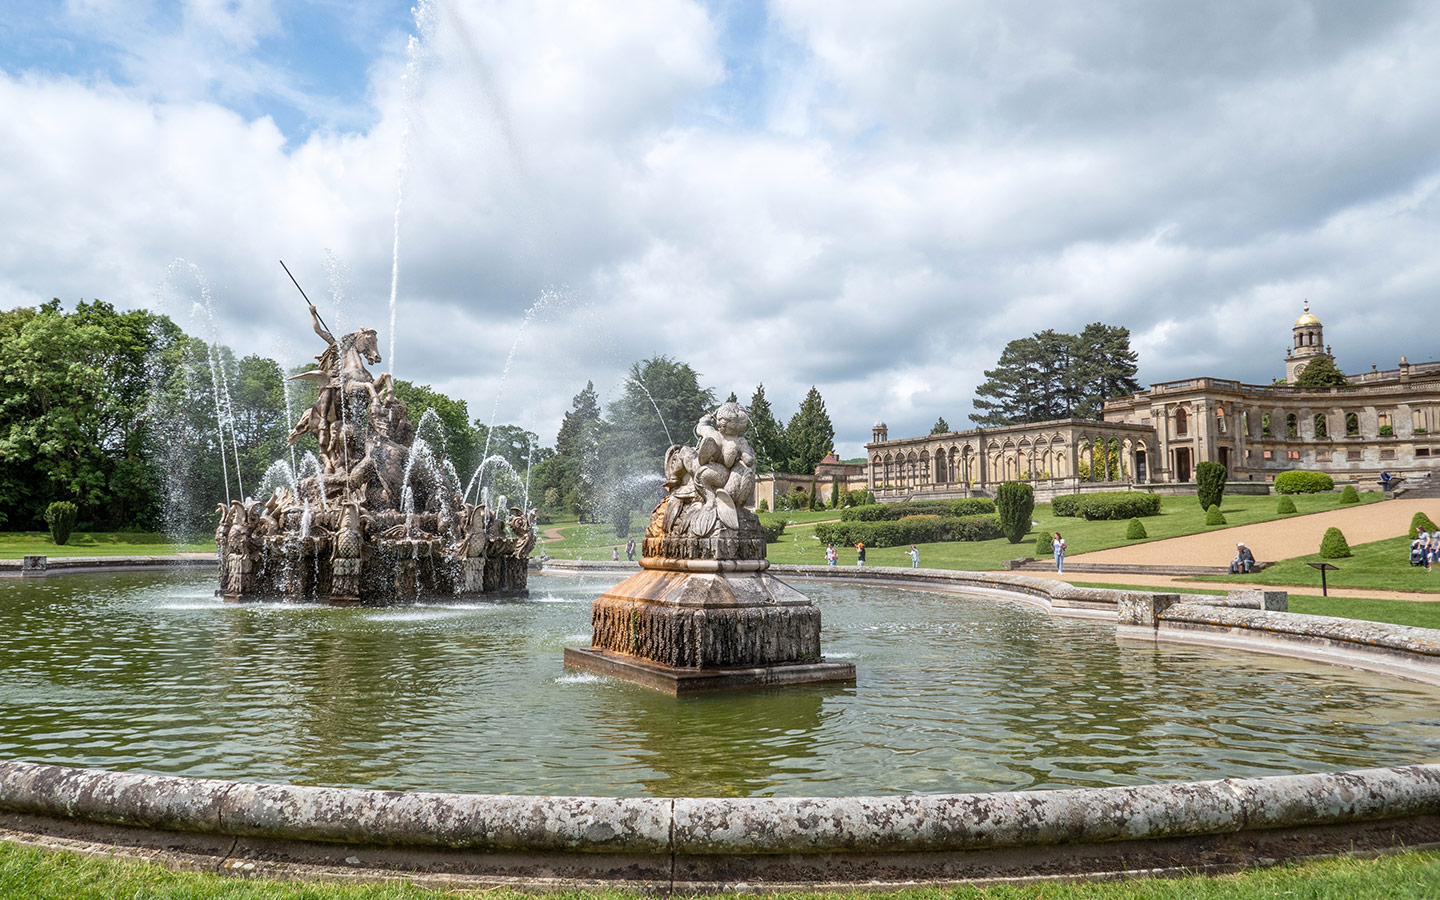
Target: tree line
146,428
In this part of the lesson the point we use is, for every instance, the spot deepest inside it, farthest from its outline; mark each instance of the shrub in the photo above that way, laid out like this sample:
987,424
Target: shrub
1120,505
1135,530
1420,522
773,526
1349,495
1066,505
914,530
1286,505
1213,516
60,516
1043,547
1210,483
1333,545
763,505
1015,501
861,497
972,506
1303,482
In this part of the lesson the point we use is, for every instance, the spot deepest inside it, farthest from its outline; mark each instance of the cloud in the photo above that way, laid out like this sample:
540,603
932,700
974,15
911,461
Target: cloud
869,199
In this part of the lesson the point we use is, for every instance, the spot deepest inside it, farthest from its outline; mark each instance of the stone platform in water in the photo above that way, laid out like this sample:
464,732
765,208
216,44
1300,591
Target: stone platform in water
689,626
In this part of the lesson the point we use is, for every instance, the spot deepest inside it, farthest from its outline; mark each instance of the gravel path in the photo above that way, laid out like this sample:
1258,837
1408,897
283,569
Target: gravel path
1271,541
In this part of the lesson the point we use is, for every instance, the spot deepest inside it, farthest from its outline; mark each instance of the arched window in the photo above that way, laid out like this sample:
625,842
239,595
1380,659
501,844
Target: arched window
1220,419
1292,426
1352,424
1265,424
1322,427
1182,422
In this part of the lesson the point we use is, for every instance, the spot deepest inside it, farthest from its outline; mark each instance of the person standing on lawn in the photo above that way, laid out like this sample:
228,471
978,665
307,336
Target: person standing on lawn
914,557
1057,546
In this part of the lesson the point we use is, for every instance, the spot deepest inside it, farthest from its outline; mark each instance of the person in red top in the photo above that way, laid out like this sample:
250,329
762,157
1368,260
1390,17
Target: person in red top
860,554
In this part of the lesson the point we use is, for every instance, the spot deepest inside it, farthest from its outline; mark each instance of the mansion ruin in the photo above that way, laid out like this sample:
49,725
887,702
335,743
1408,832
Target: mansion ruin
1383,420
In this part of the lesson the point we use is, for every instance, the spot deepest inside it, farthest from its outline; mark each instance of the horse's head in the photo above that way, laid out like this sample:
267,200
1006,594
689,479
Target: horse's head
367,345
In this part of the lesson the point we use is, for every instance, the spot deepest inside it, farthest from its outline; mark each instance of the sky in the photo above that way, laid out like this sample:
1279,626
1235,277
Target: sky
871,198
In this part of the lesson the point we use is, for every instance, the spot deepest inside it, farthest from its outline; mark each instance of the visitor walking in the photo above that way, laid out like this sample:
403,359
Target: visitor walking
914,557
1057,546
614,555
860,554
832,556
630,549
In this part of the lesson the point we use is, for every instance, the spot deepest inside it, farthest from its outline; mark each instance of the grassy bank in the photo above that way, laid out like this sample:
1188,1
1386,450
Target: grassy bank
15,544
1395,612
1179,516
1379,565
49,875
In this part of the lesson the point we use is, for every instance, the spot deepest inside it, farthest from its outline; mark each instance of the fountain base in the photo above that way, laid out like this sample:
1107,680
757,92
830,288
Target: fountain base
688,626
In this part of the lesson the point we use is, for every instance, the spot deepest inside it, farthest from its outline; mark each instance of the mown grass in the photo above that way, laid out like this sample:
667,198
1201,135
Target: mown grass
596,540
1420,614
52,875
1179,516
15,544
1382,565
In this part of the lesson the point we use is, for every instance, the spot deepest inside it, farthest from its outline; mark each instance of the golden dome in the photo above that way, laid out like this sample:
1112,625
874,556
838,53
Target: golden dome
1306,319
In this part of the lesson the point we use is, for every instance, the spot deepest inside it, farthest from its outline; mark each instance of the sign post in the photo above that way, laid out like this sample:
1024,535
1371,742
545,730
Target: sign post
1323,567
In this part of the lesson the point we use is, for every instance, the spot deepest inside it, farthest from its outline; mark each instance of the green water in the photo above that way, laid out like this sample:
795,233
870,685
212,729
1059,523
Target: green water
149,672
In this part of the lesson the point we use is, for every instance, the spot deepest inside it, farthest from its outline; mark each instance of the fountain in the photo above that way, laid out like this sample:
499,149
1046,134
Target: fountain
704,614
380,519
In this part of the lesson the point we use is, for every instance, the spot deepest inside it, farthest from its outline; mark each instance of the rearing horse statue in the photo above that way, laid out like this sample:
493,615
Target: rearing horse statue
340,371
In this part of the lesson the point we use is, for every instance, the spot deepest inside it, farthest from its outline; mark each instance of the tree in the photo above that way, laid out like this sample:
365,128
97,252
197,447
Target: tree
810,434
1014,502
766,435
940,427
1051,375
1320,372
455,436
577,447
1210,483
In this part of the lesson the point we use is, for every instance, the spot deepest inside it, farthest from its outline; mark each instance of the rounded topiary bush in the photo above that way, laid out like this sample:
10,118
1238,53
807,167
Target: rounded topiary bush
60,516
1303,482
1333,545
1349,495
1213,516
1285,506
1135,530
1420,522
1043,547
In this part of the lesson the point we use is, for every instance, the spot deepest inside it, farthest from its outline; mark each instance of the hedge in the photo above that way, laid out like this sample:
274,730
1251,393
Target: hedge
1333,545
1210,483
1349,495
918,530
1303,482
1135,531
1067,505
881,512
1213,516
773,526
1418,523
1015,502
1287,506
60,516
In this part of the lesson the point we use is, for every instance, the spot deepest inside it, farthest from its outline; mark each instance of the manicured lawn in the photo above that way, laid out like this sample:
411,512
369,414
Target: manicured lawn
596,540
1379,565
15,544
49,875
1178,516
1421,614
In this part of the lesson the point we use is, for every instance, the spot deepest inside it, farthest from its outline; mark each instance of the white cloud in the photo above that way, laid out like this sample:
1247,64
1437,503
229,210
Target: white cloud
925,182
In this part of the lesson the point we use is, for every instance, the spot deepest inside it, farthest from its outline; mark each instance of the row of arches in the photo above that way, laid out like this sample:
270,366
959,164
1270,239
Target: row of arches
1089,457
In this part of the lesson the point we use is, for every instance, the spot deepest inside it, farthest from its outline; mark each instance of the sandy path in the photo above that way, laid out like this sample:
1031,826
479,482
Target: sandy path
1270,541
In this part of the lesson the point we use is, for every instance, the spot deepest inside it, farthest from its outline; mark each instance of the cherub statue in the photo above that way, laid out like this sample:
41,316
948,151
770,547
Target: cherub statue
709,482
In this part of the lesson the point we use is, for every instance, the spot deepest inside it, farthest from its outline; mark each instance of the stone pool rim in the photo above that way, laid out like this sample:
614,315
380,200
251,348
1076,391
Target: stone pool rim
688,844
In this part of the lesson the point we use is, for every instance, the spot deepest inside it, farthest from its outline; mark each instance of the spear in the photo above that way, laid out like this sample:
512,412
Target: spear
302,294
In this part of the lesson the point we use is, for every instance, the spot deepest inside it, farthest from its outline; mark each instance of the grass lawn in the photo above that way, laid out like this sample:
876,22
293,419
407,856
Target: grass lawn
1379,565
51,875
1178,516
1395,612
596,540
15,544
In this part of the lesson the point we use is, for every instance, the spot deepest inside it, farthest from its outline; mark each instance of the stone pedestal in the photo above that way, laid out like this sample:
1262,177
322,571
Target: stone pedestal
689,625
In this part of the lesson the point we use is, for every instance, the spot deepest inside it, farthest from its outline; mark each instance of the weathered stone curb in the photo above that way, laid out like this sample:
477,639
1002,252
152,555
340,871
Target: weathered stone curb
58,565
774,841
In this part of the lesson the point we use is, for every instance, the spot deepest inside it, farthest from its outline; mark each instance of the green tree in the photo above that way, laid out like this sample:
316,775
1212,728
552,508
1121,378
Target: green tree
810,434
1321,372
766,435
940,427
571,470
457,436
1052,375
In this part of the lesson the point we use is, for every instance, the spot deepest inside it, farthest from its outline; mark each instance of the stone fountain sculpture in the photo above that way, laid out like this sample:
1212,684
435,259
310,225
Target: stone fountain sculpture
704,613
382,520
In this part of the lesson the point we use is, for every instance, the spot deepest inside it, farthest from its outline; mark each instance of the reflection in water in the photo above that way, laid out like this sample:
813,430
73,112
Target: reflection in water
147,671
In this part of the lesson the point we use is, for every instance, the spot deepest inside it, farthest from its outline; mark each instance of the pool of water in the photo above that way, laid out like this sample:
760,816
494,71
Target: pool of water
149,672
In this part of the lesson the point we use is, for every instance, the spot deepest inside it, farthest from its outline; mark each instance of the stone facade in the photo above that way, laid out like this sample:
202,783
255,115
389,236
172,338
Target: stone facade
1384,420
